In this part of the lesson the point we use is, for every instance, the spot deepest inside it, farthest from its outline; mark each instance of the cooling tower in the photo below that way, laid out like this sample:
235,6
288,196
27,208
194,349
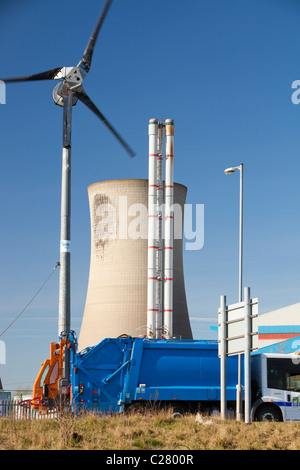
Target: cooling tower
116,301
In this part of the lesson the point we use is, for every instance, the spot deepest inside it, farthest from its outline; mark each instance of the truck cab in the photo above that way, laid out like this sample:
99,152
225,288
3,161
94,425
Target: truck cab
276,387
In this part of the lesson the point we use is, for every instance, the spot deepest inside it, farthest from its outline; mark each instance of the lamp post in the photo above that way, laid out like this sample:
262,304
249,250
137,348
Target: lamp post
230,171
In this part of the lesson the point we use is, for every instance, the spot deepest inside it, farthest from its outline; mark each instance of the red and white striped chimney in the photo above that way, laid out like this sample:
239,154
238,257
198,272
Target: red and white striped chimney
169,229
160,220
152,228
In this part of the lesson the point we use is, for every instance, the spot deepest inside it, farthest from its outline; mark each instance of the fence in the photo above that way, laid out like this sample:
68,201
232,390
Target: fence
22,409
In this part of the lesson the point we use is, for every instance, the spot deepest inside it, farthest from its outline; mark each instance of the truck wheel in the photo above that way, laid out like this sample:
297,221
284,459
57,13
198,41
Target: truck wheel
267,413
177,414
178,411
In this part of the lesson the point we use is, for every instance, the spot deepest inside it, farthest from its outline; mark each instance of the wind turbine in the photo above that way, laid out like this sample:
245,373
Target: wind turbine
66,94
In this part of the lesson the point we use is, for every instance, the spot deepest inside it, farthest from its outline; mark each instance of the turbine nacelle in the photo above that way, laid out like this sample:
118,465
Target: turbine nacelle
72,75
71,79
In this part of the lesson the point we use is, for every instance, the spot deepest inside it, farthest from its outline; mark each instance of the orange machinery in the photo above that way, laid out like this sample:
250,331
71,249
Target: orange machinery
52,386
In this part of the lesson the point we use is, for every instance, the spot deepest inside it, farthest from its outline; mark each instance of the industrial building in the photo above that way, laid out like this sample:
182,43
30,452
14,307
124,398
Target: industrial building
279,326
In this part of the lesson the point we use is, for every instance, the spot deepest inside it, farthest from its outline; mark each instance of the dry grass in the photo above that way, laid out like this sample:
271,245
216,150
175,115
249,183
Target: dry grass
159,431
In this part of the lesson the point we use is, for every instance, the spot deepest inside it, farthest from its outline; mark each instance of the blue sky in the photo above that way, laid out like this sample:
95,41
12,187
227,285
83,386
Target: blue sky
223,71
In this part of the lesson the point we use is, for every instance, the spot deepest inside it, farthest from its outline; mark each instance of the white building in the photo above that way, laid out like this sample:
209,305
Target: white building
280,325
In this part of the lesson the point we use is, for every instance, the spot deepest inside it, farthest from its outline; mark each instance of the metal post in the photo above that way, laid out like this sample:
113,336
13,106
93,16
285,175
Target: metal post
239,385
223,356
239,390
64,313
247,357
241,236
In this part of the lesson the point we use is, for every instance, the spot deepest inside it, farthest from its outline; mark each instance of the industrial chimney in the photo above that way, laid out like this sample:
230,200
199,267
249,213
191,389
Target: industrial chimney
160,230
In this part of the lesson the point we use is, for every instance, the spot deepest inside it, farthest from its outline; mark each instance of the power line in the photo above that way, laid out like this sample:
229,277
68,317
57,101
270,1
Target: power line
31,300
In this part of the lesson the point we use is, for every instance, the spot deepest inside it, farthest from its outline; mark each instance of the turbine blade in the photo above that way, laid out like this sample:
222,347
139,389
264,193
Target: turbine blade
82,96
87,55
49,75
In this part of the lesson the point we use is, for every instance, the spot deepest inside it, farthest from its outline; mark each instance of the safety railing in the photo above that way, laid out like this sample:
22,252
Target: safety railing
23,409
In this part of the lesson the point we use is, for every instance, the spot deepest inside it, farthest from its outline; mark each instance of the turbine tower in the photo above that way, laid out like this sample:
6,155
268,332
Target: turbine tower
66,93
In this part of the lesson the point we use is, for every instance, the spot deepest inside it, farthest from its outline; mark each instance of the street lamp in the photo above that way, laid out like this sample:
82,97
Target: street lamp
230,171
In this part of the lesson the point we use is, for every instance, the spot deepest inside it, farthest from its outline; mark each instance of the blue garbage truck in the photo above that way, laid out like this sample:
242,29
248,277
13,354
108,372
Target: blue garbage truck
126,373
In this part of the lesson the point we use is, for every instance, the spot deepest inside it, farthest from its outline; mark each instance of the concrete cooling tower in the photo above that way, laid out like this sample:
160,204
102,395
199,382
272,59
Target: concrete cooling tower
116,301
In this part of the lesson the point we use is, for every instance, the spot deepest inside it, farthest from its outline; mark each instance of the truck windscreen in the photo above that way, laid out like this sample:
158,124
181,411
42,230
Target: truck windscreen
284,374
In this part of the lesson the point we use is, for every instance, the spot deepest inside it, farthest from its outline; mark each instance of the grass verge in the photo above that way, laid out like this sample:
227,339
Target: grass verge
155,431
